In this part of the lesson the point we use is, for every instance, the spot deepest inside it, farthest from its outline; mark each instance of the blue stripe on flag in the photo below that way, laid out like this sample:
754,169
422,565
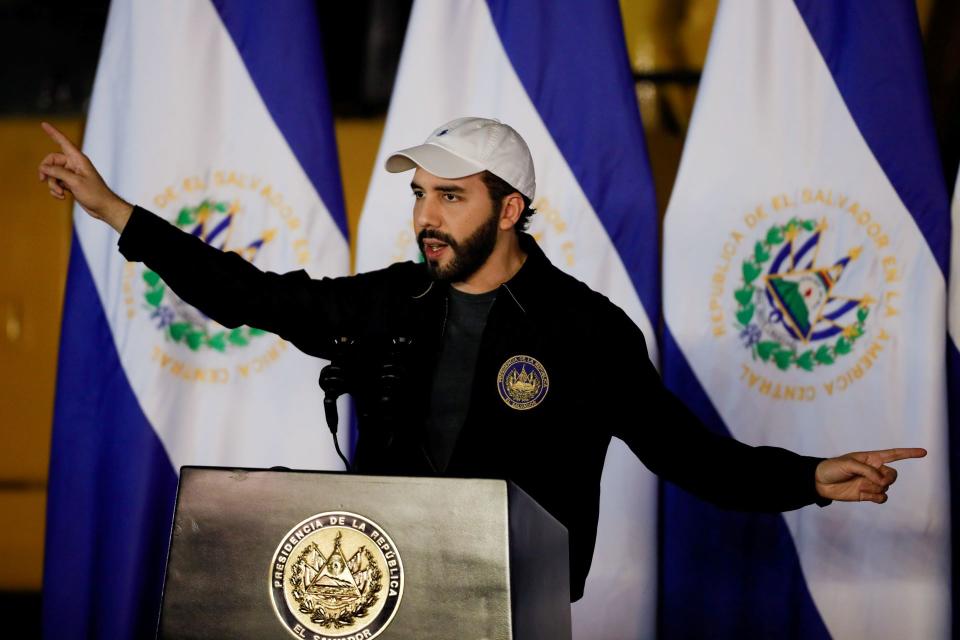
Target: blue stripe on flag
112,487
279,43
876,59
725,574
571,59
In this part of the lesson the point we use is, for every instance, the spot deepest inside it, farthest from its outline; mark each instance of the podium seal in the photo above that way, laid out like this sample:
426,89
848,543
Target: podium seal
336,575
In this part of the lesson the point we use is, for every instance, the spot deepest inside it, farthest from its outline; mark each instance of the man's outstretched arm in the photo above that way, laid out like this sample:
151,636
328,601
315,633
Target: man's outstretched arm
223,285
729,473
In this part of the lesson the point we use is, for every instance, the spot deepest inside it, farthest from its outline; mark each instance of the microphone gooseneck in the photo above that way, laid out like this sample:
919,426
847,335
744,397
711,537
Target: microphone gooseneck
333,381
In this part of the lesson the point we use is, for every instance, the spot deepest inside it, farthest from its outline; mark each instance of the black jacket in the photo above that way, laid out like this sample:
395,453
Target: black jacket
600,380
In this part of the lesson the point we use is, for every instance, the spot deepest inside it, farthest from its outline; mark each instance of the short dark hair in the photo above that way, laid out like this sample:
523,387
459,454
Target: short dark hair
498,188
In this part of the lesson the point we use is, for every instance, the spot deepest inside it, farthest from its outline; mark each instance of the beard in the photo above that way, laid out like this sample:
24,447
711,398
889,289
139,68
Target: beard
468,255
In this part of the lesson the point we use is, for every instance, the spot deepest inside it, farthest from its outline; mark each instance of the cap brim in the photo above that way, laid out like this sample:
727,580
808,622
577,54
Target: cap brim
432,158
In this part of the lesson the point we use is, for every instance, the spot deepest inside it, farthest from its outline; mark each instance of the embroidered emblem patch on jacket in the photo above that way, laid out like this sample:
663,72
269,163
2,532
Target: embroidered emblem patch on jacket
523,382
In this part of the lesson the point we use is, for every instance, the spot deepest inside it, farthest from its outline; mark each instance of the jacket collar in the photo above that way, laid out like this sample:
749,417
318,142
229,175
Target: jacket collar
524,285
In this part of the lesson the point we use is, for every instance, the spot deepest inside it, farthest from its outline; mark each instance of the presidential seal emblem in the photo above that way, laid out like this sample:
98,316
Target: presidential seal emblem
336,575
522,382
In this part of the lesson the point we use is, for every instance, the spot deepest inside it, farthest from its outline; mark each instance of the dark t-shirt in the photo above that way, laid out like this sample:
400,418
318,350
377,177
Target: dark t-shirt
453,378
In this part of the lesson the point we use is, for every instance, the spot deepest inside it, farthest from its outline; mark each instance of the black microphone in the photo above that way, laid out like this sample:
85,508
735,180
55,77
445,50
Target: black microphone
393,372
392,388
383,387
335,382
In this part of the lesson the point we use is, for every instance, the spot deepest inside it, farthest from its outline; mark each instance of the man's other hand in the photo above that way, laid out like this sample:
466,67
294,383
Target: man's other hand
863,475
72,172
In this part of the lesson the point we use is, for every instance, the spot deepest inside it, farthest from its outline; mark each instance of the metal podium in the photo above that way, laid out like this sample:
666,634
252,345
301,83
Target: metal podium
315,555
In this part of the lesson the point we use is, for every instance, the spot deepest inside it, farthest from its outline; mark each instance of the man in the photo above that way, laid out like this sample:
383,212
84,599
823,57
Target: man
507,366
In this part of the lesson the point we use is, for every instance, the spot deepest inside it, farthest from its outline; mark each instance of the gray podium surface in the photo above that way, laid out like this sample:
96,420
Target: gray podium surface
480,559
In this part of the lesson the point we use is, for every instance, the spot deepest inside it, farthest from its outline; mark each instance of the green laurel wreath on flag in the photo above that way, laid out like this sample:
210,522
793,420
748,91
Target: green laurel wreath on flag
196,336
770,350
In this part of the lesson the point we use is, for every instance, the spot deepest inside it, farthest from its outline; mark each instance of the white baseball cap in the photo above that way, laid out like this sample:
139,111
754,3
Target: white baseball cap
466,146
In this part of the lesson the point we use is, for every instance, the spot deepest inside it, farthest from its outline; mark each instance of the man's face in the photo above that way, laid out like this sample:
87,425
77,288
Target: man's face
456,224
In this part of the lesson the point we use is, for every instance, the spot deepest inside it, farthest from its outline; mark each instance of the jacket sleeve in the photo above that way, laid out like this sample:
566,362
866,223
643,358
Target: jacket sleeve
227,288
674,444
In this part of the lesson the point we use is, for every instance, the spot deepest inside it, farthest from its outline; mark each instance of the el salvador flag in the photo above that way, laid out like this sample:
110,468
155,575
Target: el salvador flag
805,254
558,73
215,116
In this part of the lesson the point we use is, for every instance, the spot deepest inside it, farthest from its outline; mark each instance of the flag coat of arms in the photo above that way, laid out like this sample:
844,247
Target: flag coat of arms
214,115
805,249
558,73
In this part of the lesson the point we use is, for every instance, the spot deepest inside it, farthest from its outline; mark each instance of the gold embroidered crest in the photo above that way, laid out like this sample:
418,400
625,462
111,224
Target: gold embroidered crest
522,382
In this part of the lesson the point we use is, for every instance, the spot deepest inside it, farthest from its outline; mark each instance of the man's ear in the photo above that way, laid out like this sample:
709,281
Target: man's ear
510,210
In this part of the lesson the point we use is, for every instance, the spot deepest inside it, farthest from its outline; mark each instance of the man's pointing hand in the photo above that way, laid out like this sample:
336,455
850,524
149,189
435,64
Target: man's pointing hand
70,171
863,475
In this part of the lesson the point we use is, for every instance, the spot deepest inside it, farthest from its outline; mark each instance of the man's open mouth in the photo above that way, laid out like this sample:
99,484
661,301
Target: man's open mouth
433,248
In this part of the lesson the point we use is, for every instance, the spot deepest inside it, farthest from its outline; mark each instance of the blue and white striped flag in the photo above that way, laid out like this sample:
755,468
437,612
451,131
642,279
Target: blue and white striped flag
805,251
558,73
215,116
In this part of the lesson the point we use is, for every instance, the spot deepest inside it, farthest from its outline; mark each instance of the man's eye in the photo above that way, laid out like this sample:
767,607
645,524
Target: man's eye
418,194
450,197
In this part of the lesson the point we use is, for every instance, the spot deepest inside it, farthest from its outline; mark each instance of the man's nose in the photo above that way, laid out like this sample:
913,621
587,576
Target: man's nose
427,213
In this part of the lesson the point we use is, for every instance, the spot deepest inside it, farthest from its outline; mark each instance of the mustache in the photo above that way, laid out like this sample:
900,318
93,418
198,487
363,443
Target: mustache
436,235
